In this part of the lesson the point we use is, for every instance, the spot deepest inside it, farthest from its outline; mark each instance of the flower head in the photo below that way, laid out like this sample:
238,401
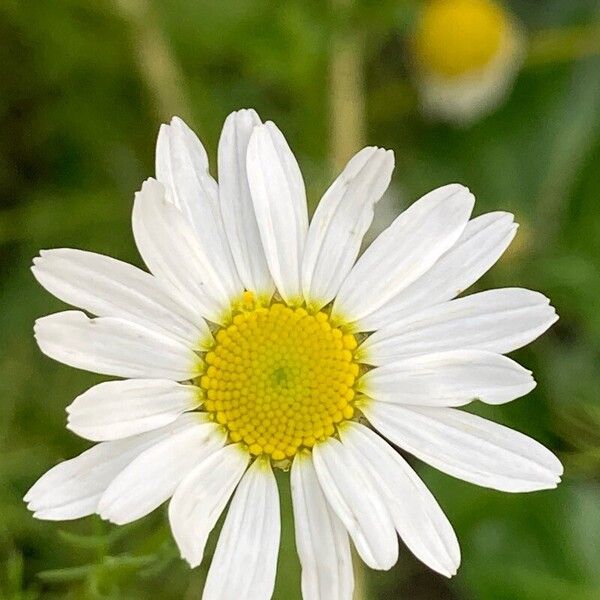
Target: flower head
258,341
467,54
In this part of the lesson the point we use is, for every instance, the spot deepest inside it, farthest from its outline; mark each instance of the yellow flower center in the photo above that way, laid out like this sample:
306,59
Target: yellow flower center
279,378
454,37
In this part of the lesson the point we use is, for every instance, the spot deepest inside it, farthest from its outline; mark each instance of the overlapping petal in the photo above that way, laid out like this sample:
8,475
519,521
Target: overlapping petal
468,447
239,218
404,251
352,494
182,167
321,540
418,518
73,488
172,250
152,477
279,199
245,560
341,220
481,244
201,497
110,288
496,321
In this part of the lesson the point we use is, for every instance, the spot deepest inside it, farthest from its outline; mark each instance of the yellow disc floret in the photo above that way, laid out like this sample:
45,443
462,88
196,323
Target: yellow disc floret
454,37
280,379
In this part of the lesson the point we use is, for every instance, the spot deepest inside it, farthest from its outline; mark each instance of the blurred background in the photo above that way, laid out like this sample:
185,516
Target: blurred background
504,98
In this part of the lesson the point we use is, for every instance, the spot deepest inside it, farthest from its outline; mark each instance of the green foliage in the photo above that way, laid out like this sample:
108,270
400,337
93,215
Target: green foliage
80,113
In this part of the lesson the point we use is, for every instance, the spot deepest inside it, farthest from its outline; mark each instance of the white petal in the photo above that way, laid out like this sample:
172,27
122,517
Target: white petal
237,209
73,488
110,288
182,167
118,409
418,518
201,497
321,540
497,321
404,251
114,347
450,378
153,476
245,561
172,251
352,493
468,447
482,243
279,201
340,222
180,156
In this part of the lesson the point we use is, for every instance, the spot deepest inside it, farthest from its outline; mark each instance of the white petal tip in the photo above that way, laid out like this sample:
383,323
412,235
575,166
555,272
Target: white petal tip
177,122
106,516
150,187
385,566
82,433
37,327
387,155
557,471
548,482
46,251
245,113
549,485
193,562
454,189
262,129
381,151
51,514
163,131
458,194
448,569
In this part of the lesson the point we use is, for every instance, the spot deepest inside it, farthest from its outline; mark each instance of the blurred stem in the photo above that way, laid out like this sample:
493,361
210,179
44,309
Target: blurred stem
156,61
346,89
563,45
347,130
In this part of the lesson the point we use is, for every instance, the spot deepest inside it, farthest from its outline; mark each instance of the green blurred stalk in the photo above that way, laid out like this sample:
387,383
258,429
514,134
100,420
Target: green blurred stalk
347,130
156,61
346,88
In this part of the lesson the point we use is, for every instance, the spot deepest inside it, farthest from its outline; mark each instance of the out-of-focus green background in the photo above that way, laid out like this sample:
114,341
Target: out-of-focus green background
83,89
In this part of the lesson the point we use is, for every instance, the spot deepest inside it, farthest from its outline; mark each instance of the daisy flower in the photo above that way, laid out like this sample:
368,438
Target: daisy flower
467,54
258,341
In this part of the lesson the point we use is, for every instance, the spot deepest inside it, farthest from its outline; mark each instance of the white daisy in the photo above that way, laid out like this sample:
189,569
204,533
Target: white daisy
467,54
259,341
